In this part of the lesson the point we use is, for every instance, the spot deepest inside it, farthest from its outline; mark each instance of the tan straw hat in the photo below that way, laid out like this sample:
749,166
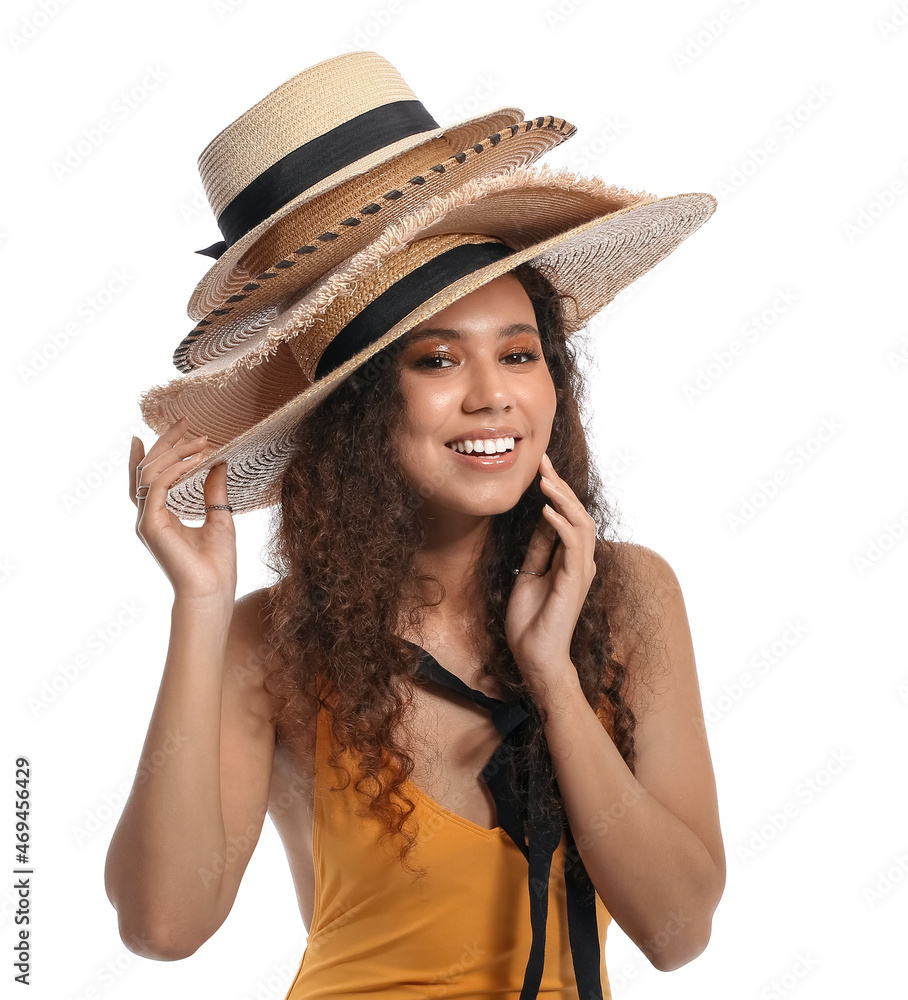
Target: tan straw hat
317,168
590,239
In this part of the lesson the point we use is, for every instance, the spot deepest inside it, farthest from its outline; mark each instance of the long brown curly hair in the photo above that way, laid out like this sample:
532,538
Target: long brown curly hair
343,545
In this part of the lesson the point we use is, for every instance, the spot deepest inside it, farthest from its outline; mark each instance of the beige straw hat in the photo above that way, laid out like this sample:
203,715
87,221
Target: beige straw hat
590,239
316,169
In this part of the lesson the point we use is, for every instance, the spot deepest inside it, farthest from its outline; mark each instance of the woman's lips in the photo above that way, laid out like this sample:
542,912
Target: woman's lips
490,463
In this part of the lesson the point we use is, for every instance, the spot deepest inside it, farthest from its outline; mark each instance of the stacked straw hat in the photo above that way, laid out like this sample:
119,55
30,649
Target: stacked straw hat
348,216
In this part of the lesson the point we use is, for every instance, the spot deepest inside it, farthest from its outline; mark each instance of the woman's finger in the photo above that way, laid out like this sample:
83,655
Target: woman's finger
215,492
136,454
540,548
171,436
571,542
163,446
575,526
183,458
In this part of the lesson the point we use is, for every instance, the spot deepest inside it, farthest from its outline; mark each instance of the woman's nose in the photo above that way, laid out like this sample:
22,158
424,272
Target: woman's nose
488,385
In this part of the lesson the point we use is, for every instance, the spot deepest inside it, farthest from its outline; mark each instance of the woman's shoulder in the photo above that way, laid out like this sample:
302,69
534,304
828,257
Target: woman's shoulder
250,617
648,620
644,563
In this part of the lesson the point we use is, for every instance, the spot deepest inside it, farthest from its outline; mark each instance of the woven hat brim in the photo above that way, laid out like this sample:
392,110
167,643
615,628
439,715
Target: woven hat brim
589,262
227,275
524,207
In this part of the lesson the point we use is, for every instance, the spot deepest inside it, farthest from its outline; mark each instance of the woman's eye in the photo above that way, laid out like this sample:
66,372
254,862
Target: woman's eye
429,359
435,362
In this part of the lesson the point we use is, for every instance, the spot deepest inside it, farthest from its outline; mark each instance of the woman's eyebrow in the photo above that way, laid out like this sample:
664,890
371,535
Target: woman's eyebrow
431,334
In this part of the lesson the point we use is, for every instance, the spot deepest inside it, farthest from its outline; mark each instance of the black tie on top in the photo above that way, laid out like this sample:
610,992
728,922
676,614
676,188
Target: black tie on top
514,810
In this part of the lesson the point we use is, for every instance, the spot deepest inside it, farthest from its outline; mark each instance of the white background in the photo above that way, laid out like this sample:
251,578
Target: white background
792,114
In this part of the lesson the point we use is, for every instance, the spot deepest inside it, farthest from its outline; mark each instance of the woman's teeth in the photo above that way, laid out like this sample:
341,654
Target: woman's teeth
489,447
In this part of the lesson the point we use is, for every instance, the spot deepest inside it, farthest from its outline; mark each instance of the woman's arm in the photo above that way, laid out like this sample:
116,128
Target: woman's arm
651,842
201,790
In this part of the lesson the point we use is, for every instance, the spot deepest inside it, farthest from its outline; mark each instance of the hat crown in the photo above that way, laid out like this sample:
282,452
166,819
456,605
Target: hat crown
316,101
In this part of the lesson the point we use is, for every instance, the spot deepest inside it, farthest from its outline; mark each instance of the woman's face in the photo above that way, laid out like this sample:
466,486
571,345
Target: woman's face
475,372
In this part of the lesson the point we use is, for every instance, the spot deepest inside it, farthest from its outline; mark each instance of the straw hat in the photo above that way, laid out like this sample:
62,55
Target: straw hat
590,239
317,168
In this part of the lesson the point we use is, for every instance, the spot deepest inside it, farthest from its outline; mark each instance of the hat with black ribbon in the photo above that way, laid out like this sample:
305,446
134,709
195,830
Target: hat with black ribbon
318,167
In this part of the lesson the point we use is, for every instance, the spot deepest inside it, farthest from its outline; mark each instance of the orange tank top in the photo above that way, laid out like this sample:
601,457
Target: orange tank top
462,931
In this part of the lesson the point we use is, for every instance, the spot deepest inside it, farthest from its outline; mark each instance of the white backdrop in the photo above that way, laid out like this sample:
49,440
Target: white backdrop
749,415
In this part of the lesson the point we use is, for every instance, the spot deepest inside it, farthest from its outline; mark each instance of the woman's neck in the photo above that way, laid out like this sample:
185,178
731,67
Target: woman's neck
450,554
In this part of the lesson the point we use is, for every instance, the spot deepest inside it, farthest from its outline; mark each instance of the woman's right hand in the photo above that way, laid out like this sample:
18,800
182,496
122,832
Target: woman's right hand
199,562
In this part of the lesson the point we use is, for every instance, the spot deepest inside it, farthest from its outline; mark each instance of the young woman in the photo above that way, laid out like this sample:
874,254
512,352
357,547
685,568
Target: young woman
398,550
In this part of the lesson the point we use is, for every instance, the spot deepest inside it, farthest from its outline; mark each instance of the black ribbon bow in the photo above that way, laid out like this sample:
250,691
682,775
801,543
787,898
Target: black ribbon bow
515,810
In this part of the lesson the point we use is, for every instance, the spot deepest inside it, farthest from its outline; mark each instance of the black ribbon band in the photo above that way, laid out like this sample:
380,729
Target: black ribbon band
404,296
303,167
515,810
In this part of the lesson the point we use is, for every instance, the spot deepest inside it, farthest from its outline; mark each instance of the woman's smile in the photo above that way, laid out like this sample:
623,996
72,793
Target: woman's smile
487,454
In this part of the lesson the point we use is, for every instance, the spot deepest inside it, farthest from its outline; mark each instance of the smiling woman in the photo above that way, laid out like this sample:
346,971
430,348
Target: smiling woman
472,715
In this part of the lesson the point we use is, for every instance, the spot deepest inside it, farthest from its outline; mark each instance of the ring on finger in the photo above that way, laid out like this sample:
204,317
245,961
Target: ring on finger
142,496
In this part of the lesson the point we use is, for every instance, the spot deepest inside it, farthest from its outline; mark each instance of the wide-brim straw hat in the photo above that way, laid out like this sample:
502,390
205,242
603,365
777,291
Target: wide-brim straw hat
590,239
318,167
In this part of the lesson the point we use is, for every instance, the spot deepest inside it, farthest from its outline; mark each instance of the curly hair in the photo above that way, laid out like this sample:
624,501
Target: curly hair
343,544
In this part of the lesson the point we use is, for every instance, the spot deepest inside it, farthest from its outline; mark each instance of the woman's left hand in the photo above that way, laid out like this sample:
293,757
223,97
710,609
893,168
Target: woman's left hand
543,610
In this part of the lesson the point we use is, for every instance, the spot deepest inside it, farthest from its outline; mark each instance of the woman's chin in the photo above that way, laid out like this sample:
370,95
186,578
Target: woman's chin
471,506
